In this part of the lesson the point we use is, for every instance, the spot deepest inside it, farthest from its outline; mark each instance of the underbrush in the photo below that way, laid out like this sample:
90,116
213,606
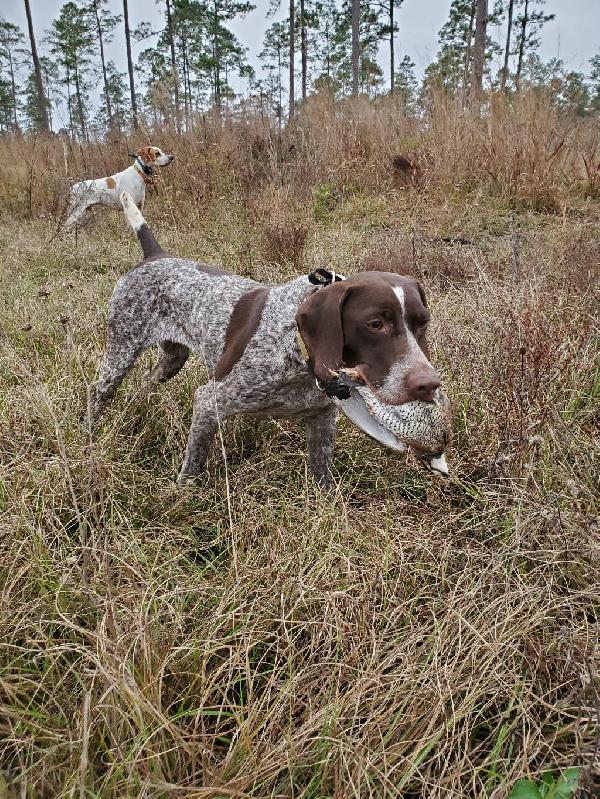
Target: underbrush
521,151
401,636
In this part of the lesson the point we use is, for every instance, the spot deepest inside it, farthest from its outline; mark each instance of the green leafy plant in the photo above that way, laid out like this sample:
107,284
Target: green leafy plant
563,787
325,199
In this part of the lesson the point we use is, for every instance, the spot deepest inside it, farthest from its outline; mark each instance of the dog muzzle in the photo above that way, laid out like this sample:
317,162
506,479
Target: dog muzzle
422,426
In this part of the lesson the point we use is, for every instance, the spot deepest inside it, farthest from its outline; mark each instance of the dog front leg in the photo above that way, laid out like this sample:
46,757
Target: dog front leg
211,408
320,436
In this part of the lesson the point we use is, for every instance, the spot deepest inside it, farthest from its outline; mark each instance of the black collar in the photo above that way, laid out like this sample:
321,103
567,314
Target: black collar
147,170
323,277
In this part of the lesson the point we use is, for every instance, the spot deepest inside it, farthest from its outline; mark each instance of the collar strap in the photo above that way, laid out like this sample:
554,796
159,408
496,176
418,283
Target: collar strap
147,170
323,277
147,180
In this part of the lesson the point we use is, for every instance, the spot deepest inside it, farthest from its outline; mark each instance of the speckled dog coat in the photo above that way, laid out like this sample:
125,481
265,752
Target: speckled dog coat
246,333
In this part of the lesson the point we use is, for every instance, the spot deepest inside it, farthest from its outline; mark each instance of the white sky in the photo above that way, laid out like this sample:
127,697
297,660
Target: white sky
573,36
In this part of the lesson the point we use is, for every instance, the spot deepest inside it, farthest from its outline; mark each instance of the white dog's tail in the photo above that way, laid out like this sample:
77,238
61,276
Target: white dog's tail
150,247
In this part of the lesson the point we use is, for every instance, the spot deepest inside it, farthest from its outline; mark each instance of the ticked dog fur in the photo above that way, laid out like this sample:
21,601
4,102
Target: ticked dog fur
248,335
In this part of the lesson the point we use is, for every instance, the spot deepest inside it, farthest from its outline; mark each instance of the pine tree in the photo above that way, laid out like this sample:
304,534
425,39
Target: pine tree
509,25
274,60
369,71
291,59
327,19
355,44
51,78
595,83
174,71
388,29
227,52
155,68
453,68
105,23
527,25
116,89
481,20
406,84
455,40
134,112
11,40
6,107
71,39
42,114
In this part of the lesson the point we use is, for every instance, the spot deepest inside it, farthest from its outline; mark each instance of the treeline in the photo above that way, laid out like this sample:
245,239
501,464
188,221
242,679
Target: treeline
331,46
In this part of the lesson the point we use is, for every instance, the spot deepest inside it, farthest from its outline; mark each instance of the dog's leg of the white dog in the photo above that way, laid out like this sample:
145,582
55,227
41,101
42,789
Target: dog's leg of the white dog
131,211
320,436
74,216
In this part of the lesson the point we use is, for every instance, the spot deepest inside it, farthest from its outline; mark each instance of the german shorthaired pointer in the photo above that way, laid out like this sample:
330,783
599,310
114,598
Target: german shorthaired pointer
252,337
107,191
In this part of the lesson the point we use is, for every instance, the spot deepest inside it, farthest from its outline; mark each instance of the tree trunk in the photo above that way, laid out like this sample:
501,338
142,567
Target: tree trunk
355,45
216,58
48,100
521,46
292,99
504,78
39,86
106,92
303,48
136,123
79,104
392,66
279,88
467,63
173,66
479,47
70,104
14,90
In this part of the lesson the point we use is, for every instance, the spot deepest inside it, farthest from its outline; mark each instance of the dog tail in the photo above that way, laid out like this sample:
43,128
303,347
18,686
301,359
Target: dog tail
150,247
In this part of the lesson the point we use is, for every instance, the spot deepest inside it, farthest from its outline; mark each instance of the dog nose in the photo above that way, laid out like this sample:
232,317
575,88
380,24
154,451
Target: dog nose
422,383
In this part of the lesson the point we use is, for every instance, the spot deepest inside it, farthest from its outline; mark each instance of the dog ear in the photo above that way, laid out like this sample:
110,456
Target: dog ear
319,321
144,154
421,291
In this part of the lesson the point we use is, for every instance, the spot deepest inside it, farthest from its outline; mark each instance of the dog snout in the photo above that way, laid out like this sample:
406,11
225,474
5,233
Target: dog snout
422,383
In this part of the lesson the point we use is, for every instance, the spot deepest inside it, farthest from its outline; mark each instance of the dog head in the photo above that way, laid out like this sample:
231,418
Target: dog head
375,324
154,156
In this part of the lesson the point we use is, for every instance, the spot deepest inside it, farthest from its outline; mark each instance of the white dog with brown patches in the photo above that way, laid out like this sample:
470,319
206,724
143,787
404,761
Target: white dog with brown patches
107,191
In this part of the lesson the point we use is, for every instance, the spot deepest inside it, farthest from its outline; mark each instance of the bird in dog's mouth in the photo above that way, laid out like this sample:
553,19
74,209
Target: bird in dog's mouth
422,426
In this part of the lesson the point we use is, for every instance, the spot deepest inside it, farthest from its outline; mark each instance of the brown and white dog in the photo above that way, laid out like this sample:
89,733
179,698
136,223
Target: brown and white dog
269,349
107,191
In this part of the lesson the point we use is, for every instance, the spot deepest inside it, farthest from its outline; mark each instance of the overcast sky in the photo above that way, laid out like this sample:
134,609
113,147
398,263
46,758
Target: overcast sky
573,36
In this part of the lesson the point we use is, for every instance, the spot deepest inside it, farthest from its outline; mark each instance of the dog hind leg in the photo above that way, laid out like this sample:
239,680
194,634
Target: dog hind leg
171,358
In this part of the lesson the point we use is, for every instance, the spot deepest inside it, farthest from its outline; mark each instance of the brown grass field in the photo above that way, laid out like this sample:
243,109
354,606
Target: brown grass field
403,636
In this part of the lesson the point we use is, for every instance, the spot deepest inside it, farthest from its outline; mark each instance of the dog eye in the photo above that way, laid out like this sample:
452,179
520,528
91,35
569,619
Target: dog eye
376,324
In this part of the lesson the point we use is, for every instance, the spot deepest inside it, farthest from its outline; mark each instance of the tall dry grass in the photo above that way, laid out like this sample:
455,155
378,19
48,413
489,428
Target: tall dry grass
400,637
522,151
